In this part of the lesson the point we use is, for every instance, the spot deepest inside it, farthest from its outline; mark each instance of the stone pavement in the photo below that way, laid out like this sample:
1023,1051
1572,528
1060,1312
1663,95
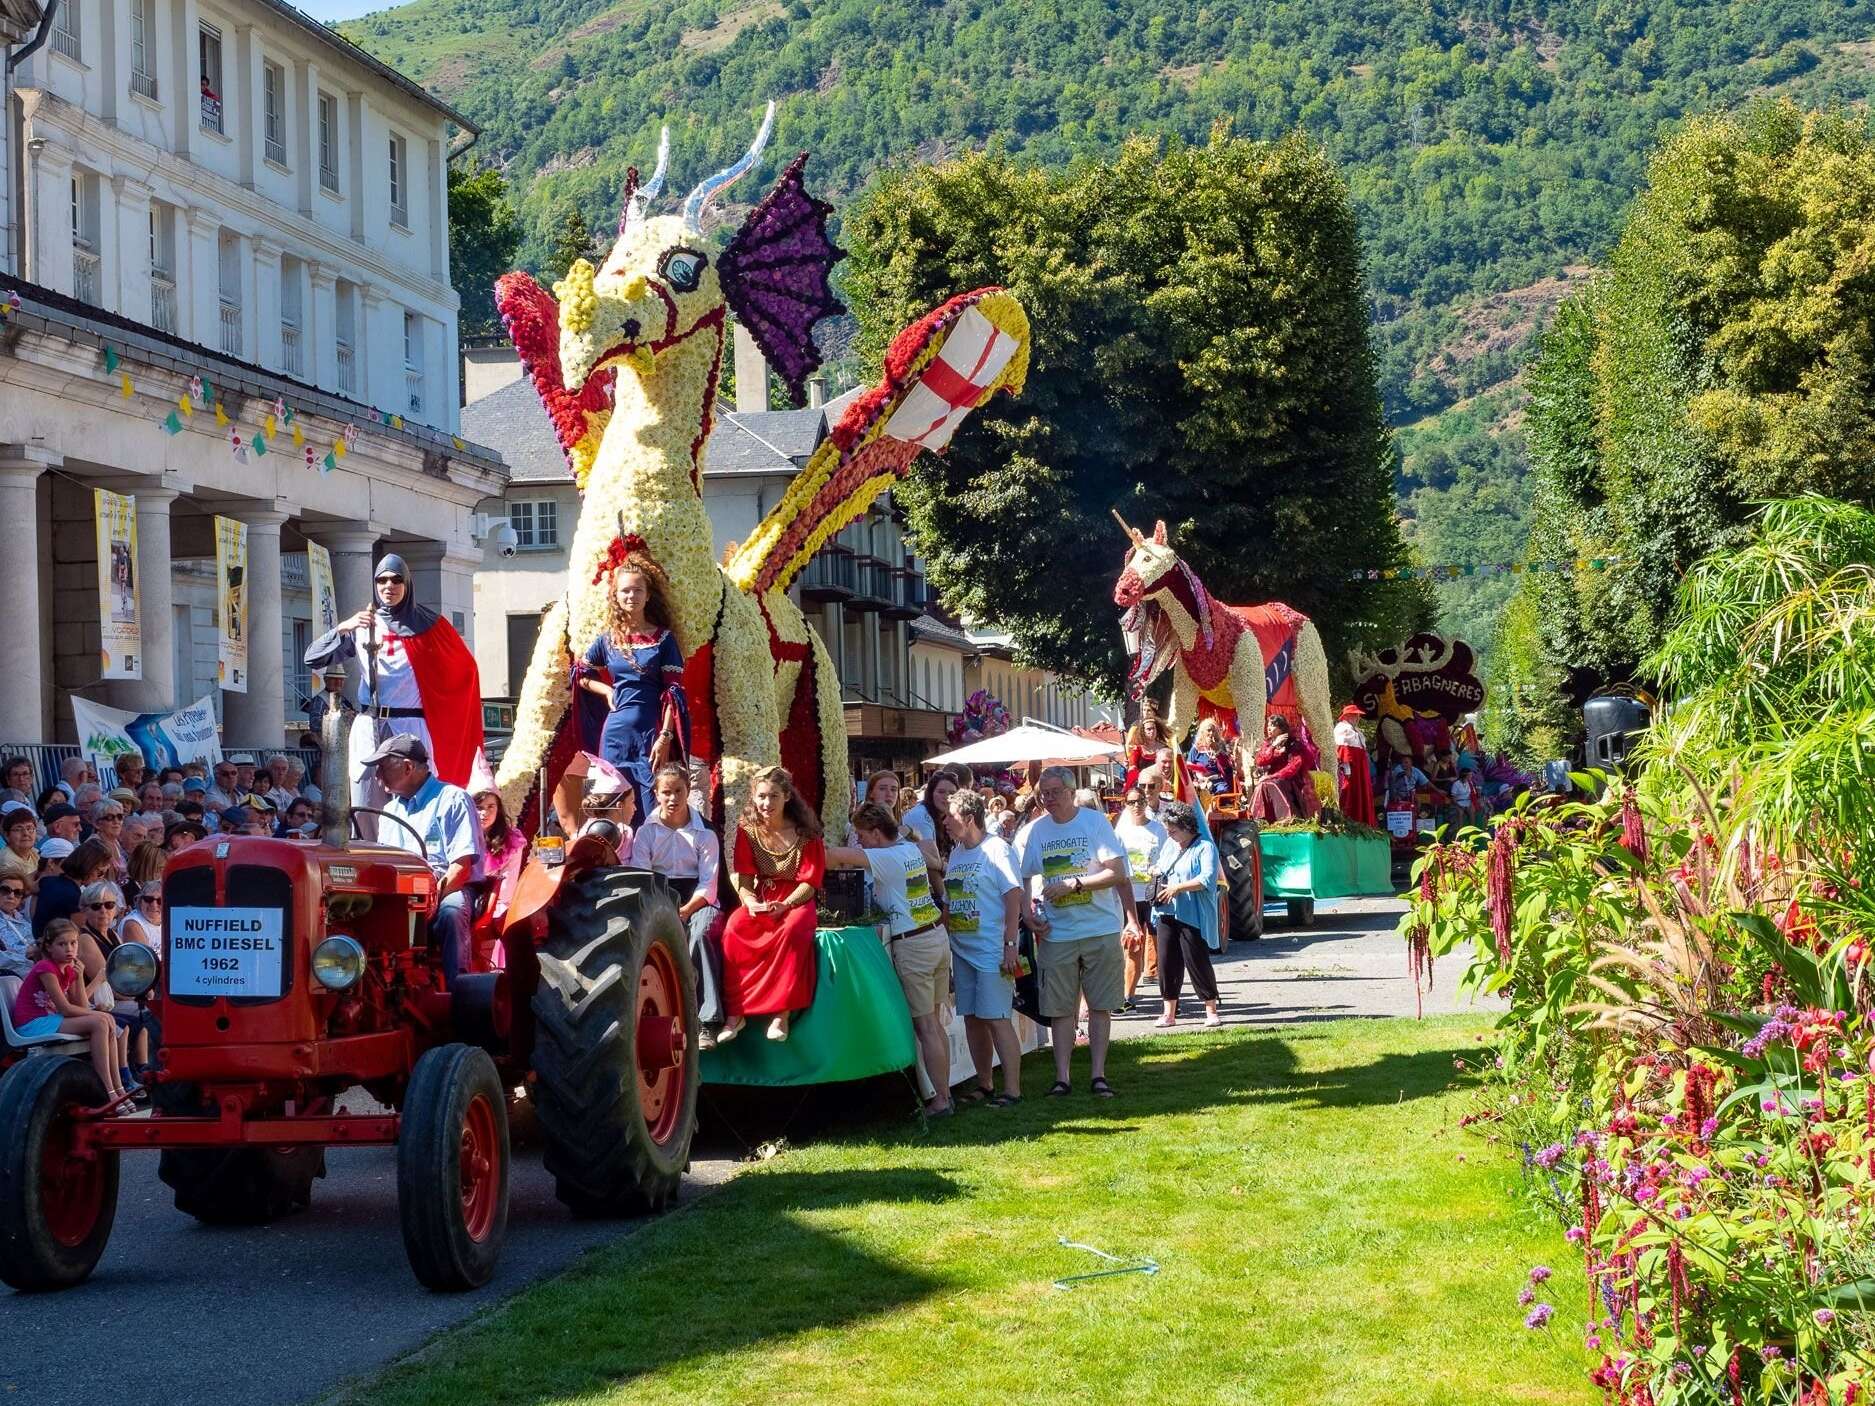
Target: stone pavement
1349,963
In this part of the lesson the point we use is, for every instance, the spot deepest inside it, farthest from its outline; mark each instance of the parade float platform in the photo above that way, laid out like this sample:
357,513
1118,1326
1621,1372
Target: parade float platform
1301,866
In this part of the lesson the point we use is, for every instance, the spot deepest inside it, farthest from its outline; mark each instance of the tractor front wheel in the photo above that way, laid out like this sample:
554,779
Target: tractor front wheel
232,1185
615,1044
57,1203
452,1168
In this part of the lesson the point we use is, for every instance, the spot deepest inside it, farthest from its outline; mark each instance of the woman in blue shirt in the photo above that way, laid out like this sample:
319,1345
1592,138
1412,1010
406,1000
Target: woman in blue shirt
1184,910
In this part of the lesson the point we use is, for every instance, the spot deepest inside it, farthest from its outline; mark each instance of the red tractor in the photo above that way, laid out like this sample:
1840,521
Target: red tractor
296,970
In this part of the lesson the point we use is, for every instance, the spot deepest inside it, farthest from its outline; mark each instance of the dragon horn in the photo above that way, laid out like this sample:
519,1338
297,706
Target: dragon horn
707,189
1128,528
638,198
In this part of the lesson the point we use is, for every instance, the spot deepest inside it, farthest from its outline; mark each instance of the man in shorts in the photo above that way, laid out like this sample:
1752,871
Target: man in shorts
1076,873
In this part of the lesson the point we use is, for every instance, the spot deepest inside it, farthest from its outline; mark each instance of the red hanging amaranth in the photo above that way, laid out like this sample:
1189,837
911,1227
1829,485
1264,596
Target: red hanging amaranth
1700,1081
1676,1280
1499,897
1633,831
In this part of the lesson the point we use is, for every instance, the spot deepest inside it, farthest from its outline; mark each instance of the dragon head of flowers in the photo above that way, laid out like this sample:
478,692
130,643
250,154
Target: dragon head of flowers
663,281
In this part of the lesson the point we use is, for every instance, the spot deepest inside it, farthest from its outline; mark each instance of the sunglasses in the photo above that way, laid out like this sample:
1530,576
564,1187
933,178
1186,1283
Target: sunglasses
390,580
11,892
150,898
101,907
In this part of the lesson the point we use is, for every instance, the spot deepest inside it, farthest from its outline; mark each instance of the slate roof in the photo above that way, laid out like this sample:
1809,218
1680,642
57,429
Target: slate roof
930,629
511,420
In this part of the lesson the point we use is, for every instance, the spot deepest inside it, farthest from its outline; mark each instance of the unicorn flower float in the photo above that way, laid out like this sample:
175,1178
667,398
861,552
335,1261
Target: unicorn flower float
627,359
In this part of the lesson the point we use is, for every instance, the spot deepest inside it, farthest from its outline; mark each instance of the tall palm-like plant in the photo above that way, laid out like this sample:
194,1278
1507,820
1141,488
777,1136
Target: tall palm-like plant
1770,672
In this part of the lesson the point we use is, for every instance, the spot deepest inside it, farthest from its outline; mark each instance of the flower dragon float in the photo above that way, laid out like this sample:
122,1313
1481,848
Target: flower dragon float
627,359
1233,662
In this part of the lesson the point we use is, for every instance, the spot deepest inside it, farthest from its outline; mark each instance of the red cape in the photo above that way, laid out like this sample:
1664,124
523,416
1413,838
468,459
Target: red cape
1357,784
451,689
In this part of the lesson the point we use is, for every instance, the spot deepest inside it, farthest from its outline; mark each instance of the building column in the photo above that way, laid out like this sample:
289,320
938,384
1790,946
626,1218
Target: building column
303,143
22,666
437,169
445,582
131,254
373,358
354,557
322,328
257,718
199,299
50,233
267,300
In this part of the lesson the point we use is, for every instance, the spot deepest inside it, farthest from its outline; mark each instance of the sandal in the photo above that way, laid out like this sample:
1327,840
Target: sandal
1058,1089
1100,1088
1005,1100
978,1094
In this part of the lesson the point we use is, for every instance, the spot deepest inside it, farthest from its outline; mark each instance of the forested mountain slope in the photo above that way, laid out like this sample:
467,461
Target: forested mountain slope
1490,147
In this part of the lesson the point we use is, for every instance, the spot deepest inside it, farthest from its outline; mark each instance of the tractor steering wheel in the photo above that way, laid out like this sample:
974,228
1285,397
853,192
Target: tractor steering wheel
423,850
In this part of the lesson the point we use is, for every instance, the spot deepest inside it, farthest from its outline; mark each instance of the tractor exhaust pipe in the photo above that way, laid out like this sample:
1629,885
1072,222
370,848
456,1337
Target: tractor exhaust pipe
335,762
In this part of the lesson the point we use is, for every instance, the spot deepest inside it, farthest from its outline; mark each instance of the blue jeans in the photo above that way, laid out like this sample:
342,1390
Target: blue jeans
450,930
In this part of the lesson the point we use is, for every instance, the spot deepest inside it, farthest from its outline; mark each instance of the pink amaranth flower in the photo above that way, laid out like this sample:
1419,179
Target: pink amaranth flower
1526,1296
1539,1316
1539,1274
1824,1317
1575,1235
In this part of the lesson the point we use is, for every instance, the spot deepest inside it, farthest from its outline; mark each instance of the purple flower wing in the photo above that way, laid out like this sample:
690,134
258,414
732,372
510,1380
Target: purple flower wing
775,276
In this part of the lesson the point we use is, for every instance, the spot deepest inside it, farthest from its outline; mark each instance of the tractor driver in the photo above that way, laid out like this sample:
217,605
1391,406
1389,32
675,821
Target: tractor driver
444,819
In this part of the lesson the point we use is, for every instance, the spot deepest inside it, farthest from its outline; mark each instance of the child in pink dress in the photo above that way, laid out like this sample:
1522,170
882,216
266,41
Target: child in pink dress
54,1000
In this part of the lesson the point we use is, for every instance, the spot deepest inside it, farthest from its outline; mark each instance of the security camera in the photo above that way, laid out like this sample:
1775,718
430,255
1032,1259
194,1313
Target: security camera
500,537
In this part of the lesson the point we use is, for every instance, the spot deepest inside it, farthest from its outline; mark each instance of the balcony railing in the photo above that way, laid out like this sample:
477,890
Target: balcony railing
874,585
163,302
84,273
413,391
348,370
65,41
276,150
400,216
329,179
211,112
290,359
143,84
230,327
830,575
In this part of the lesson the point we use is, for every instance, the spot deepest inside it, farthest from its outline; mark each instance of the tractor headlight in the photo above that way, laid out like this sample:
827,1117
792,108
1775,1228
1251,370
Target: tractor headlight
338,962
131,969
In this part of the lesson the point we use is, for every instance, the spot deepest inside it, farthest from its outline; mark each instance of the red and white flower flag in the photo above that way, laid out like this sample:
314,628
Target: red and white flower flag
953,384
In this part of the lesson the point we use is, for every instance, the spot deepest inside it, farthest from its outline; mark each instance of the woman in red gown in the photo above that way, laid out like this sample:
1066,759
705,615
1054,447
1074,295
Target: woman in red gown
768,943
1283,788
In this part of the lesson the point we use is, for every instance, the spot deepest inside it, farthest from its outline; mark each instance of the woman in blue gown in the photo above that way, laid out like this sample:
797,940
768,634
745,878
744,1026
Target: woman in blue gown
628,690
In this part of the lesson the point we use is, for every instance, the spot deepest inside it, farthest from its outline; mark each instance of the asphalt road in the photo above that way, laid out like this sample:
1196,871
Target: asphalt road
178,1314
284,1314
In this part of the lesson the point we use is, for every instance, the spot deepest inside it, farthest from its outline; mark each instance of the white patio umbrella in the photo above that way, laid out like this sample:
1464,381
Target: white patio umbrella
1029,743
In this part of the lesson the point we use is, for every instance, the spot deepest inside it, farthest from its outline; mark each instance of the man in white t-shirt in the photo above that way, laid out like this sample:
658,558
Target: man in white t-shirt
1076,871
914,934
1142,837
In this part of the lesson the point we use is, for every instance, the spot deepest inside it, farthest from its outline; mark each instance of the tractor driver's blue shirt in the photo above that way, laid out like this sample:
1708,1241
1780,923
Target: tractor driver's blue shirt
445,817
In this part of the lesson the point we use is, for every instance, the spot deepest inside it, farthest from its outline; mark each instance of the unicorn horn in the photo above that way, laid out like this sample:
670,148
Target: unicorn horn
1128,528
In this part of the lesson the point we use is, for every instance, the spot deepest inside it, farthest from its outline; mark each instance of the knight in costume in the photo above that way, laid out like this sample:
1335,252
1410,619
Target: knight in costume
1354,773
417,676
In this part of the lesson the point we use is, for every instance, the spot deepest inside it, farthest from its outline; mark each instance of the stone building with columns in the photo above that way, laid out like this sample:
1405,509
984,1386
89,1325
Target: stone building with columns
224,191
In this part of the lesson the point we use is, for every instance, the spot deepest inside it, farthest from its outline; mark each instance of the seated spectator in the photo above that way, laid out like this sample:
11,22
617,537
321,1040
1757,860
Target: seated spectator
769,954
137,830
73,773
194,771
263,807
61,823
296,780
1282,786
609,806
107,824
220,796
301,820
16,929
99,913
183,833
150,798
51,796
86,801
146,868
1210,758
16,780
243,773
274,785
144,922
172,792
190,809
170,776
60,887
674,841
19,827
130,770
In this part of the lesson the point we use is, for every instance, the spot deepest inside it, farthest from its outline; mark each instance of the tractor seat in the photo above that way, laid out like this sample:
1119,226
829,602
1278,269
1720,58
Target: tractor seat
30,1044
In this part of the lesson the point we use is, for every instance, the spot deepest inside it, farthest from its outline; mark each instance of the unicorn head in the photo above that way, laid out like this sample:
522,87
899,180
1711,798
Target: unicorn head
1154,578
662,282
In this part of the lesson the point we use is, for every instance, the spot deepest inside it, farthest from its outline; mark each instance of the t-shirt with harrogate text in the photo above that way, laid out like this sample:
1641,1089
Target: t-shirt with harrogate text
975,882
1142,844
1052,850
901,886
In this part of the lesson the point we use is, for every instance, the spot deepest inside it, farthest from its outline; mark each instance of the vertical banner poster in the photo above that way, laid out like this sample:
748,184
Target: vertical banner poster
231,603
120,617
325,596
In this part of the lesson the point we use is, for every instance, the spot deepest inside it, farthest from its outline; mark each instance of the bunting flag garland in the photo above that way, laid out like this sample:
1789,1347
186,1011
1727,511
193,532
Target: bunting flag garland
457,441
235,447
172,424
260,445
124,386
299,436
9,304
267,425
1451,570
309,453
182,404
330,462
110,358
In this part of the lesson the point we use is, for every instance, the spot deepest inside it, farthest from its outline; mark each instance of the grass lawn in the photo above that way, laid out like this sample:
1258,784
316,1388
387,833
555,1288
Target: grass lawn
1320,1241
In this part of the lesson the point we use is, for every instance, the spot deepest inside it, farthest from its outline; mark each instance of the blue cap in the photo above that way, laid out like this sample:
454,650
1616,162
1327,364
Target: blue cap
236,816
195,784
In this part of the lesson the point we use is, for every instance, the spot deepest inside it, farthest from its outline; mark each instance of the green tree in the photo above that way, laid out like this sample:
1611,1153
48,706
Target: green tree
1726,357
1200,355
484,234
572,239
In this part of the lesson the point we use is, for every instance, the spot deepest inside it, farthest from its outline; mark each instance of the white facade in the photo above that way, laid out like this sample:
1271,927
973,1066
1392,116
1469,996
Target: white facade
233,174
222,194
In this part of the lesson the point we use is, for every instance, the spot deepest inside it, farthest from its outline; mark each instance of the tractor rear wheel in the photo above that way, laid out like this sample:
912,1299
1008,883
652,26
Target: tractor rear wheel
232,1185
56,1204
452,1168
1243,870
615,1044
